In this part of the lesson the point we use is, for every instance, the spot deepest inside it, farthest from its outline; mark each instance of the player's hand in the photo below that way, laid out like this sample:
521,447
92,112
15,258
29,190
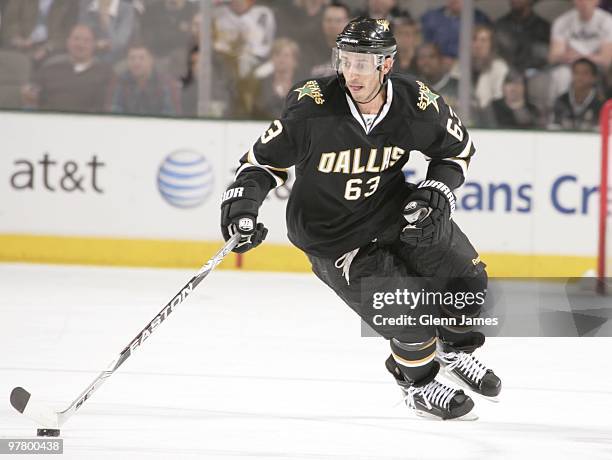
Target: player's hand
239,214
252,233
427,213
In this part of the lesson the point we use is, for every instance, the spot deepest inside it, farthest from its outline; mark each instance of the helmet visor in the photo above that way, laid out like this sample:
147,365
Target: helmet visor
346,62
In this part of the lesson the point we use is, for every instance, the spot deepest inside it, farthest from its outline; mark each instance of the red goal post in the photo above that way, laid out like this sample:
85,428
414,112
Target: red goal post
605,130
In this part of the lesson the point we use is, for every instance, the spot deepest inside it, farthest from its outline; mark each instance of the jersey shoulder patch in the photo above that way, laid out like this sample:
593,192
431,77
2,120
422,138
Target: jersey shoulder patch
309,97
417,97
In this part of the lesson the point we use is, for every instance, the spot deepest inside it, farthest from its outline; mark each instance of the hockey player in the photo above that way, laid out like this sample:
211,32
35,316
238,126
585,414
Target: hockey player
364,229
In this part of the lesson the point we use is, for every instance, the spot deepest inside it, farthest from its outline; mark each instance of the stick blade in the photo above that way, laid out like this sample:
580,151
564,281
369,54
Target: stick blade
23,402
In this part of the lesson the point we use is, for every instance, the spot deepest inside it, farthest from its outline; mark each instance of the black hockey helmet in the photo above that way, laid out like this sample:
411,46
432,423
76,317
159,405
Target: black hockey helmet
372,37
367,35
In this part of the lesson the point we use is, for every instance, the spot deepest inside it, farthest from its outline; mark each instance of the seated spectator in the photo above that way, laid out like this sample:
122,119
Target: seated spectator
77,84
244,32
142,90
578,109
583,32
273,90
335,17
513,111
488,70
383,9
406,34
522,37
166,26
114,23
441,26
223,88
431,70
38,27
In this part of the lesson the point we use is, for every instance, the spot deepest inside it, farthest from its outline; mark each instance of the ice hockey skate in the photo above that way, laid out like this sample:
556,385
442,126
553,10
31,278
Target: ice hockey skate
431,398
461,367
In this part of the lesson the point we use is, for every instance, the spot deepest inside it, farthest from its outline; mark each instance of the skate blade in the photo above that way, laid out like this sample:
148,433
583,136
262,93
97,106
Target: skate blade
469,417
464,386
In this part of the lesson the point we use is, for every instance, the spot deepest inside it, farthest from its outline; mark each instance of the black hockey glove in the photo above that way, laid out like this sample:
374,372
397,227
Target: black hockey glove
239,209
428,211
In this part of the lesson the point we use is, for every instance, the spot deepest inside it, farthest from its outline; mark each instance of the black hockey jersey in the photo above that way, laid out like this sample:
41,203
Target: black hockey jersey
349,184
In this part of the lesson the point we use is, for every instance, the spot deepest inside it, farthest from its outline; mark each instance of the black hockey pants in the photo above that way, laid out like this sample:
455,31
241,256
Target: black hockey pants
450,268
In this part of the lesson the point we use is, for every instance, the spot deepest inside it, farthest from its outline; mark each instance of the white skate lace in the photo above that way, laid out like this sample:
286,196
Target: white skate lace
344,262
434,392
466,363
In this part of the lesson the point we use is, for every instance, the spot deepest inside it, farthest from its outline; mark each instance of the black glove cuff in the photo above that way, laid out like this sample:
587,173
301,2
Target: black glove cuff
241,201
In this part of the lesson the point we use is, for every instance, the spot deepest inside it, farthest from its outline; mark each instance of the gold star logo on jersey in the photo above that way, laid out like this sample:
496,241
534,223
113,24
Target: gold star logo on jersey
427,97
384,23
312,90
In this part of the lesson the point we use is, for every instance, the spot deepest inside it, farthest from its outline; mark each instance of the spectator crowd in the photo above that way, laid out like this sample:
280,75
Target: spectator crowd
543,64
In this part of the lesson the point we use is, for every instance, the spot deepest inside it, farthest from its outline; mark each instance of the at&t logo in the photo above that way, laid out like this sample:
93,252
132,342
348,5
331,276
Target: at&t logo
185,179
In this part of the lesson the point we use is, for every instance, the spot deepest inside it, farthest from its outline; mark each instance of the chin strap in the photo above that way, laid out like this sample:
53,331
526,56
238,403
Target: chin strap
373,97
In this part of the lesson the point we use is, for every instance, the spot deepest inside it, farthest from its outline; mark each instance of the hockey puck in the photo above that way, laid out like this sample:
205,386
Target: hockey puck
48,432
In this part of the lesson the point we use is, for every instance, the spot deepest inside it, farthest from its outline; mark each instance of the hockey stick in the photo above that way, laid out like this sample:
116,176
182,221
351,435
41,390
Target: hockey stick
23,401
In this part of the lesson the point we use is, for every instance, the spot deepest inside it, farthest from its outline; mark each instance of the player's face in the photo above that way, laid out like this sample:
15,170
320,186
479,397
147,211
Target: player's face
361,73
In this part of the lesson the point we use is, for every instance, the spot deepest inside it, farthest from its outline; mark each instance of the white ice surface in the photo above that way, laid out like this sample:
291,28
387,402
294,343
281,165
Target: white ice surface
269,366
